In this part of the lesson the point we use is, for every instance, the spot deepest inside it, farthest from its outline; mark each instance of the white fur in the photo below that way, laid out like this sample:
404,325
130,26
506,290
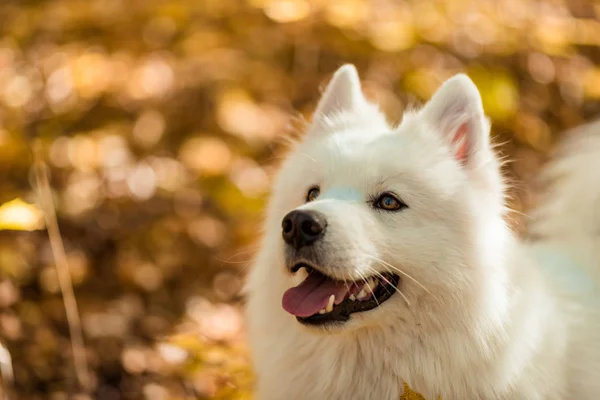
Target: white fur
502,318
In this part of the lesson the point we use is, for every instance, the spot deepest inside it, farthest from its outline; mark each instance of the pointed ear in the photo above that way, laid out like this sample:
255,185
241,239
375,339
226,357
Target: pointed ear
343,93
456,112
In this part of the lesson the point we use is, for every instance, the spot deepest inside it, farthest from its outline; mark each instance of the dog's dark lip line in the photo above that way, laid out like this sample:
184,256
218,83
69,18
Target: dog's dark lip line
342,312
301,264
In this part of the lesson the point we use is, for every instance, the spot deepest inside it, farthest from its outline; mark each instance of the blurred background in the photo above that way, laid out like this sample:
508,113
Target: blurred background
159,124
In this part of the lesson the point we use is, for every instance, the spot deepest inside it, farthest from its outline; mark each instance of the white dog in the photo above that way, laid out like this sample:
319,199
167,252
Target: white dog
387,259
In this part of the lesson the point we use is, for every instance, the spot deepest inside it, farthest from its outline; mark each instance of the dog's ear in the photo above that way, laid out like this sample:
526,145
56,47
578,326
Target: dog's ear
343,94
456,112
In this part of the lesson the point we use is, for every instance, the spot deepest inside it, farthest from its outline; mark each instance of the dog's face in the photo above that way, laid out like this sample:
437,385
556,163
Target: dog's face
377,225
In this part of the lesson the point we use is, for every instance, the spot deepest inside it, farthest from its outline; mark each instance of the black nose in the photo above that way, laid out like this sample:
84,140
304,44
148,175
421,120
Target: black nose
303,227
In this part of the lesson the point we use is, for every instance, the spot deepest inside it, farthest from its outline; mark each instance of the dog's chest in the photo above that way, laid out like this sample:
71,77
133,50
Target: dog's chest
332,370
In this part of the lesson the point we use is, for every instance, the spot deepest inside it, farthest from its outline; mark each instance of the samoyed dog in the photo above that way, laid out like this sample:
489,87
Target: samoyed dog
387,260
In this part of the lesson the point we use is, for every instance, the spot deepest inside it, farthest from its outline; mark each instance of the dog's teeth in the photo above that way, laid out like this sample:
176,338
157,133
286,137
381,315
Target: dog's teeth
300,276
352,297
302,273
329,307
322,311
362,294
370,285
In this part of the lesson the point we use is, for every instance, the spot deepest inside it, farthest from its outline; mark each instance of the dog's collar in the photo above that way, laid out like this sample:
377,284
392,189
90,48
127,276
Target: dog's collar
410,395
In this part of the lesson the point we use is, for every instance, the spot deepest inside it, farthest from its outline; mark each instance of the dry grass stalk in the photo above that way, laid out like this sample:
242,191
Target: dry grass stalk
62,267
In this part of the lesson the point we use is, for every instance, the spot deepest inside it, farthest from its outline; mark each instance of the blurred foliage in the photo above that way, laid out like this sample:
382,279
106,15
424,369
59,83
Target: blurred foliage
160,121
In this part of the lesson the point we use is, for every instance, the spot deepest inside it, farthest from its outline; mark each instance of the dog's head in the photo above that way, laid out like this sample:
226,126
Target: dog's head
376,224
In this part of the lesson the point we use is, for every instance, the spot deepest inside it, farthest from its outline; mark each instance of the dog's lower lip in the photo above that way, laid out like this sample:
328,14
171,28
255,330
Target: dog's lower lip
342,311
296,267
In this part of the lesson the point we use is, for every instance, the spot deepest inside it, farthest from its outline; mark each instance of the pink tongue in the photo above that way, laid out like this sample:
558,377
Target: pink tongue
312,295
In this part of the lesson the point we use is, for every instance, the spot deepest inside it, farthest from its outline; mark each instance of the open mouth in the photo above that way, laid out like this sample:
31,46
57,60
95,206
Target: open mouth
320,300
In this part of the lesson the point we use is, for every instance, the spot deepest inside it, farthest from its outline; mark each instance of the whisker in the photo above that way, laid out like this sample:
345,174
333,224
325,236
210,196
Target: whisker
247,262
512,210
228,260
392,285
243,268
232,262
381,276
372,292
309,157
401,272
362,277
243,252
346,284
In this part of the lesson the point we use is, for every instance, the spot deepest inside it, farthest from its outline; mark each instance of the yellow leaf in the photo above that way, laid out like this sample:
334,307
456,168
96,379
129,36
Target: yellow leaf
20,216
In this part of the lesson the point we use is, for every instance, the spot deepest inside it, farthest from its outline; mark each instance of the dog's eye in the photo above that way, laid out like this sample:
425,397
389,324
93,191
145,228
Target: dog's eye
389,202
312,194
